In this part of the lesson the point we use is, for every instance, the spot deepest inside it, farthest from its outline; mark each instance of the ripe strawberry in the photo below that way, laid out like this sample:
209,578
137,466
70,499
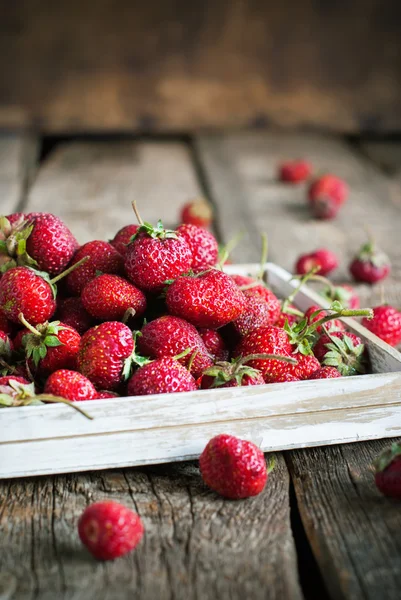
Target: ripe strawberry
324,259
256,287
70,385
386,324
210,299
103,258
257,313
326,195
161,376
123,238
286,377
106,354
345,294
306,365
170,336
295,171
109,530
289,317
72,312
156,255
231,374
388,471
343,350
215,345
370,264
108,297
23,290
334,325
325,373
197,212
203,244
105,395
5,380
233,468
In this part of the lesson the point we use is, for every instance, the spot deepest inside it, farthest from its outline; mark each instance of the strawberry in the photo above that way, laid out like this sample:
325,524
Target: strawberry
123,237
315,313
295,171
109,530
161,376
71,312
288,317
233,468
388,471
325,260
197,212
257,313
286,377
325,373
215,344
203,244
254,286
103,258
106,354
70,385
370,264
231,374
105,395
343,350
23,290
306,365
386,324
170,336
345,294
108,298
5,380
326,195
210,299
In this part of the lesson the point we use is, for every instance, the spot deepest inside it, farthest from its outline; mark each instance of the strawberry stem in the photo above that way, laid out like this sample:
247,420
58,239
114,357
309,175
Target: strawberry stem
31,328
182,354
59,400
271,464
361,312
304,279
226,250
136,211
263,258
129,313
243,360
69,270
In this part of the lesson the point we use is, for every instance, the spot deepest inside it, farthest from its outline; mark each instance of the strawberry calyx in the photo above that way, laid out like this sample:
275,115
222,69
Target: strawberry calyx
40,338
386,457
223,372
5,348
13,238
370,253
134,360
348,358
337,293
150,230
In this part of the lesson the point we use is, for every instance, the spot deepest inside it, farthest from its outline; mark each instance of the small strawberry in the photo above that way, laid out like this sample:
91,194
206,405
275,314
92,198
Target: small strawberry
71,311
325,260
102,258
315,313
71,385
123,238
345,294
209,299
108,298
388,471
326,195
170,336
370,264
23,290
295,171
232,374
203,244
325,373
233,468
215,344
342,350
161,376
5,380
386,324
109,530
197,212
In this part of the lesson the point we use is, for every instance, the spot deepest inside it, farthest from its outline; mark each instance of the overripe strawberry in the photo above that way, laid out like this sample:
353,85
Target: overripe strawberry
370,264
257,313
386,324
388,471
70,385
197,212
325,373
342,350
215,344
326,195
123,238
345,294
109,530
71,311
203,244
231,374
103,258
23,290
170,336
210,299
161,376
322,258
312,315
295,171
232,467
108,298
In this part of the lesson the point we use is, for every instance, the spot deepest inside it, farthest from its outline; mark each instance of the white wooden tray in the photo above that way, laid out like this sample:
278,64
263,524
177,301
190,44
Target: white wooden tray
171,427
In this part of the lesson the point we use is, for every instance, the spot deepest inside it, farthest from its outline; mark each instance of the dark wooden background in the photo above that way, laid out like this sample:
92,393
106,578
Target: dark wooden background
179,65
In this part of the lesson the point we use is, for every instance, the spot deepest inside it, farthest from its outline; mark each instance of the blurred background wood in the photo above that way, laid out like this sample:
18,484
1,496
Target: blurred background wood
174,66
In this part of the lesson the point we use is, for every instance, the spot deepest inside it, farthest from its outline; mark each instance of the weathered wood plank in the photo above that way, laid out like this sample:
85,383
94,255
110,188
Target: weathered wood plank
387,154
18,162
353,530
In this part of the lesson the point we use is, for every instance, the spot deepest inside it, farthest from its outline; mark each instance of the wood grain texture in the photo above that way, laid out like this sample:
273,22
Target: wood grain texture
386,154
18,162
353,530
180,66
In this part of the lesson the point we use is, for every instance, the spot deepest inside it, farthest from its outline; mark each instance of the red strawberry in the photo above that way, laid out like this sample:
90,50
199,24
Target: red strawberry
345,294
386,324
210,299
388,471
70,385
103,258
106,354
108,297
215,345
295,171
326,195
197,212
324,259
231,374
325,373
232,467
343,350
22,290
284,317
123,238
370,264
161,376
72,312
155,256
5,380
334,325
109,530
170,336
306,365
286,377
256,287
257,313
105,395
203,244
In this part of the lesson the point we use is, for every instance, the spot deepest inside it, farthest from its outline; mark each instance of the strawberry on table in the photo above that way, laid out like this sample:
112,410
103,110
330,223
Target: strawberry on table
326,195
108,297
386,324
197,212
161,376
388,471
203,244
102,258
70,385
370,264
322,258
345,294
123,238
294,171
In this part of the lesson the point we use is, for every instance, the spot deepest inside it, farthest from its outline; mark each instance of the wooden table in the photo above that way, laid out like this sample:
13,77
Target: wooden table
320,529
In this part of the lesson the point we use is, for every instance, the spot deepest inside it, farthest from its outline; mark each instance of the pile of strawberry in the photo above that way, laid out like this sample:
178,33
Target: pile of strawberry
149,312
